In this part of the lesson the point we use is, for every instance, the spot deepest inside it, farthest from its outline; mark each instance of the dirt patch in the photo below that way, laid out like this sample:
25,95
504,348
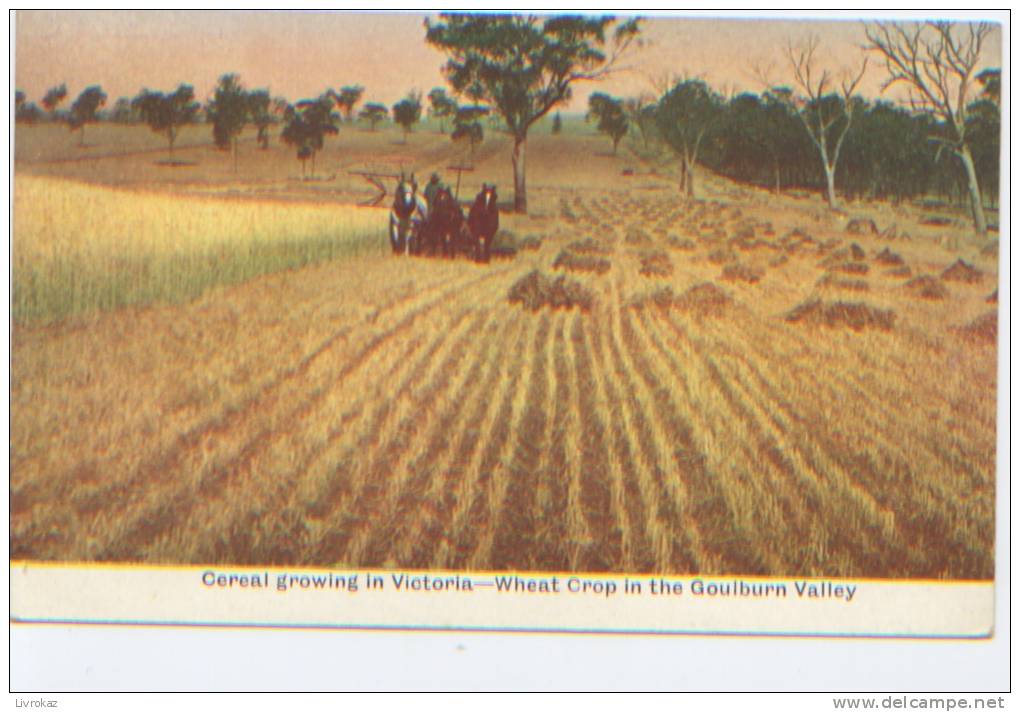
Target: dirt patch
926,286
856,316
888,257
960,271
742,273
589,246
573,262
984,329
536,290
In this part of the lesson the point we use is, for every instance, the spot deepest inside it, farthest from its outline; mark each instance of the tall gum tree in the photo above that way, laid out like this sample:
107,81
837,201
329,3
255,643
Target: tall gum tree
84,110
524,66
824,103
684,116
937,62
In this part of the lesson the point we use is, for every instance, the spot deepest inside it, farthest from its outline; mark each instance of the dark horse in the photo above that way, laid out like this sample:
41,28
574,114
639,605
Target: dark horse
483,222
445,228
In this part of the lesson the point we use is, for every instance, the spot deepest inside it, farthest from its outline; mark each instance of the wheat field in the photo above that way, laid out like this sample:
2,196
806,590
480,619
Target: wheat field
751,389
82,248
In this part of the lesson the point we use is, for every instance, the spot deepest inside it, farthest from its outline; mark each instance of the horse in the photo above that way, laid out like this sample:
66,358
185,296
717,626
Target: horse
483,222
407,216
445,228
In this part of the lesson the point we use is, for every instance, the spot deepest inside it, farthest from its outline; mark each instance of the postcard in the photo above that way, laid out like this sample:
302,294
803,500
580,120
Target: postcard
505,322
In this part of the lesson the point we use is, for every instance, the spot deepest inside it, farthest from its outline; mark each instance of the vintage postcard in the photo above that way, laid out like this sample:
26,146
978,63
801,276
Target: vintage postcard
505,322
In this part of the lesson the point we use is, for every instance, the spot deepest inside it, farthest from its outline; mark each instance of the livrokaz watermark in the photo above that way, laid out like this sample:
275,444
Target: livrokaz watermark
919,702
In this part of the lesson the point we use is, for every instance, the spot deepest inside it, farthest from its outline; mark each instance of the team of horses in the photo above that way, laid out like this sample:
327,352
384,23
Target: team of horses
421,227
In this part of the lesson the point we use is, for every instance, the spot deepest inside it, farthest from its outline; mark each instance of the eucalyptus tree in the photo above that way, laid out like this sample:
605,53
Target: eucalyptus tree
229,112
937,62
307,124
610,116
260,112
53,98
824,103
373,113
441,107
347,98
407,112
684,116
525,65
467,125
25,111
167,113
84,110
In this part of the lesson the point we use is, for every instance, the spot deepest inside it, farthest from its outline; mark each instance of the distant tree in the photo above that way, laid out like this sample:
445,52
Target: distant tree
826,112
347,98
166,113
53,98
24,110
991,84
761,140
887,155
122,112
373,113
467,125
228,112
260,108
307,125
983,131
524,66
441,107
640,112
684,116
557,123
610,115
84,110
407,112
936,61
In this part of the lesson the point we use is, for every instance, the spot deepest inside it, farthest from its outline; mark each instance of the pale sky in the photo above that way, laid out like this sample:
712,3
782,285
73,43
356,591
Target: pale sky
301,54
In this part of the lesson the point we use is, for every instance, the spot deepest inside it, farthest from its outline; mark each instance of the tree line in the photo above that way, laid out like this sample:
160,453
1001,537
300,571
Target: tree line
305,123
878,150
818,133
813,131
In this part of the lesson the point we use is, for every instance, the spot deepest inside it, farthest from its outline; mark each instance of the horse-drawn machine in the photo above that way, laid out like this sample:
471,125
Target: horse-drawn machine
436,225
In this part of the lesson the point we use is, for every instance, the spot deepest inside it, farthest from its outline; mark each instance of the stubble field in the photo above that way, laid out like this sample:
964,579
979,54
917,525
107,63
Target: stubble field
742,387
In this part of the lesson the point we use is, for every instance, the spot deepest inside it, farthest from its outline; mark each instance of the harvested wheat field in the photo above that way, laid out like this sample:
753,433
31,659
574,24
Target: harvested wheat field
732,385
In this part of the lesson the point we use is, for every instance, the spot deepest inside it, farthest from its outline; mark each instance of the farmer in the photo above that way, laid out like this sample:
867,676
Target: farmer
431,188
